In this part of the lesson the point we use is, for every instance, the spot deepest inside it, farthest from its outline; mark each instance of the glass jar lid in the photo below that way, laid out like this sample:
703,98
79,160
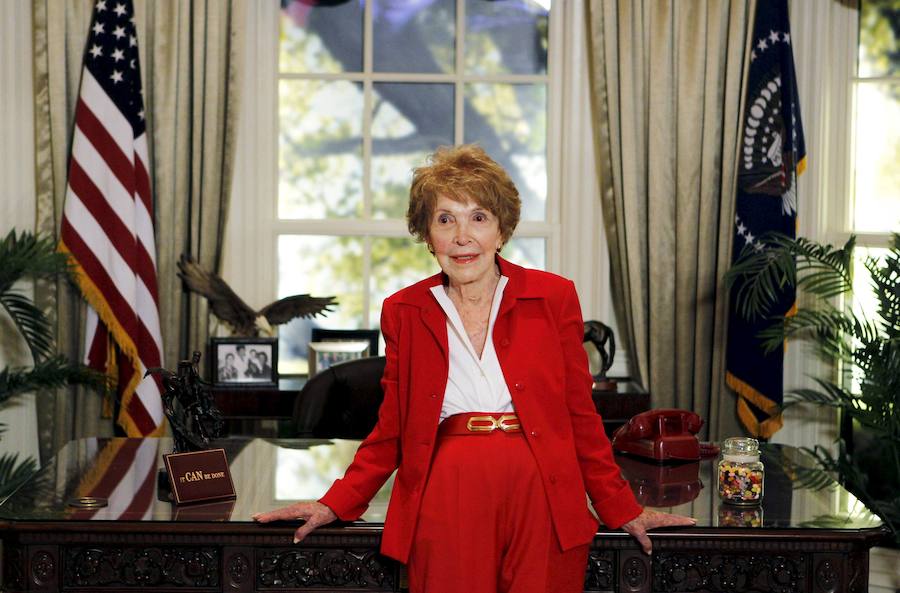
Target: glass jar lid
740,449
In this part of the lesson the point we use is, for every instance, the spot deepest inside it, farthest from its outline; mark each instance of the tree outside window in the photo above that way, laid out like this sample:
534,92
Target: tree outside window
366,89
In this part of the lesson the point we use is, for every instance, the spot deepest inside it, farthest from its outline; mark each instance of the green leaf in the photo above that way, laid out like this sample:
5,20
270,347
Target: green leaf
865,346
30,321
761,275
25,255
13,474
49,374
22,256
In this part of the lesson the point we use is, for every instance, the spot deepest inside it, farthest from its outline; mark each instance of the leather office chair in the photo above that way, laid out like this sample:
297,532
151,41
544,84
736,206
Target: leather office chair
342,401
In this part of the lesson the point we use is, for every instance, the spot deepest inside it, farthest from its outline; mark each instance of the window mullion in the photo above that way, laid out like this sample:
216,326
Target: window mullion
367,281
459,91
367,112
368,101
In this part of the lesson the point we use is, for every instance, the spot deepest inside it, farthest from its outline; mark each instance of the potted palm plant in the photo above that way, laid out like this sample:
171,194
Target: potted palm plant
864,347
23,256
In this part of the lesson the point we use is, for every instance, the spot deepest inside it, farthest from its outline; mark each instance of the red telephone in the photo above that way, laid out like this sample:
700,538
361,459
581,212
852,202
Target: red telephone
663,435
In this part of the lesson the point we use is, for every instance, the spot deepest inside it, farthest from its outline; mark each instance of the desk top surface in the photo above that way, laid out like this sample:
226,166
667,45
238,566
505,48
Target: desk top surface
272,473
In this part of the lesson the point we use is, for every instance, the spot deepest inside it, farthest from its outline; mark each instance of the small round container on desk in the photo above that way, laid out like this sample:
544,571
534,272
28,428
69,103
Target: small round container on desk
740,472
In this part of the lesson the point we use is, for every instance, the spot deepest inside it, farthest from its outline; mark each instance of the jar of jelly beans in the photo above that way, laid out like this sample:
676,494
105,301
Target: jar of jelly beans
741,472
732,516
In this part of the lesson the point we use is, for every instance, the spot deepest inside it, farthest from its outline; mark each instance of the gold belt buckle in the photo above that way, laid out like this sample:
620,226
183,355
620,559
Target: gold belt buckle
508,422
476,424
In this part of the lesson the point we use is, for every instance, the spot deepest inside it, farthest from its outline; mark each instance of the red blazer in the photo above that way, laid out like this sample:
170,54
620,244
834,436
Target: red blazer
538,337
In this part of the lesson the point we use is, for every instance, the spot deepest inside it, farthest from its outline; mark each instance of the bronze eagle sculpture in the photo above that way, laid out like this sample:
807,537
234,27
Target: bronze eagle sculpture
230,308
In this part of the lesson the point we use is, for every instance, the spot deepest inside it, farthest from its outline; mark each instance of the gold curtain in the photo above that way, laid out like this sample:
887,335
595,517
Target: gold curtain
189,59
667,81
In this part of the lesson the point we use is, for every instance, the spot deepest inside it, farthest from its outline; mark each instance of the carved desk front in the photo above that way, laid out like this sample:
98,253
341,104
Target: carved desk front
799,540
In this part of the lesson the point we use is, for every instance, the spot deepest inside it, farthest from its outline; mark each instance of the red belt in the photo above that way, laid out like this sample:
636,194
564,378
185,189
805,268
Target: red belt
476,423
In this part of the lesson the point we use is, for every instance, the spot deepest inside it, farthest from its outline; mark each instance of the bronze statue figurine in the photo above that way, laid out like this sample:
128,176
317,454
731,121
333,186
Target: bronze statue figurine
601,336
189,406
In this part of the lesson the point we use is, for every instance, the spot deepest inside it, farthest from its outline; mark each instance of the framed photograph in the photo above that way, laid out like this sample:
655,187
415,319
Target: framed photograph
239,362
321,334
325,354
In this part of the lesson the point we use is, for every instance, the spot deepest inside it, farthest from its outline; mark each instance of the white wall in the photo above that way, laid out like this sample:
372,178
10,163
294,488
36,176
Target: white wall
17,202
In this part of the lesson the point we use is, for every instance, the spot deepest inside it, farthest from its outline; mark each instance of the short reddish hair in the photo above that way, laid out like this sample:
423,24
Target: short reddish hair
462,173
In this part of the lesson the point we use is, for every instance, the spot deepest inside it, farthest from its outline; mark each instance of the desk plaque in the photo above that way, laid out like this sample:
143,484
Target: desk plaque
200,476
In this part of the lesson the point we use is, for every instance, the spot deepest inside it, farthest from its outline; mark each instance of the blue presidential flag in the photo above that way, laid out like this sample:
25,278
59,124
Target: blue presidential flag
772,155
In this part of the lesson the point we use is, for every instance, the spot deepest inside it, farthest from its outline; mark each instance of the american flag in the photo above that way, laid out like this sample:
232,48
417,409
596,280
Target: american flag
107,225
122,471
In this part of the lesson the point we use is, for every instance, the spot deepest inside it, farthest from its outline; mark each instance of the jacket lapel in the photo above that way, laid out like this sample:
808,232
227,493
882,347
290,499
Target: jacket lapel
514,287
419,296
433,318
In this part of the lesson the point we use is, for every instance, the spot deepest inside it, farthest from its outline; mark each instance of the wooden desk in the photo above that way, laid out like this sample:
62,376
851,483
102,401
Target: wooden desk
244,407
259,403
798,541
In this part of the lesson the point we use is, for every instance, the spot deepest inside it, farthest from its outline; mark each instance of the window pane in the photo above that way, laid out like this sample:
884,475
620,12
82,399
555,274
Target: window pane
529,252
877,184
879,52
865,301
510,122
321,37
320,266
507,36
320,149
397,262
414,35
409,121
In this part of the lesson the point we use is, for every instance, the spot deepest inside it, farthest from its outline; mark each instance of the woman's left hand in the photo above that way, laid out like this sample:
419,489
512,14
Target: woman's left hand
647,520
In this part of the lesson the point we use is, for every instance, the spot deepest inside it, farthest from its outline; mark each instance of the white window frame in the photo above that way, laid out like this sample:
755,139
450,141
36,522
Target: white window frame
826,43
573,229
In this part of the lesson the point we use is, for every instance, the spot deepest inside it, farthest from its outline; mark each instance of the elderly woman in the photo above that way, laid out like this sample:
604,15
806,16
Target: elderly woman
487,411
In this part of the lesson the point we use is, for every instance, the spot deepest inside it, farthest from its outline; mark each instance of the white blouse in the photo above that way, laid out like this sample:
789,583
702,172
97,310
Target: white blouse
473,384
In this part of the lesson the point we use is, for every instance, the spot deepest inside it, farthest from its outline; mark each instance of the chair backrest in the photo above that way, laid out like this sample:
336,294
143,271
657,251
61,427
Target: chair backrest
342,401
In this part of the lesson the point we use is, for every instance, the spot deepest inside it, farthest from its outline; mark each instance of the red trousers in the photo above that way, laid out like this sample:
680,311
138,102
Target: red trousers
484,525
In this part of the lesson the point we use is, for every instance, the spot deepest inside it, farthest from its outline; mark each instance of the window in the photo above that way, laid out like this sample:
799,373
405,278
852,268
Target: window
554,152
876,152
365,90
875,210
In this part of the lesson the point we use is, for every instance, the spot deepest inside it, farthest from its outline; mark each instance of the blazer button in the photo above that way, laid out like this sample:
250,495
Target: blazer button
504,342
553,479
433,396
534,433
520,386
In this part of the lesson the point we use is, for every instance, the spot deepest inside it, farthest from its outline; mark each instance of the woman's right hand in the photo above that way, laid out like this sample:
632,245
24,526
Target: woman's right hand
313,513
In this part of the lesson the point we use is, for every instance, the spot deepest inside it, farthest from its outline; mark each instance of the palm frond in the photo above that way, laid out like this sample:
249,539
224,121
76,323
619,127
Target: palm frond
885,279
14,473
829,327
829,395
823,270
30,321
762,275
866,344
49,374
28,255
812,478
24,255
